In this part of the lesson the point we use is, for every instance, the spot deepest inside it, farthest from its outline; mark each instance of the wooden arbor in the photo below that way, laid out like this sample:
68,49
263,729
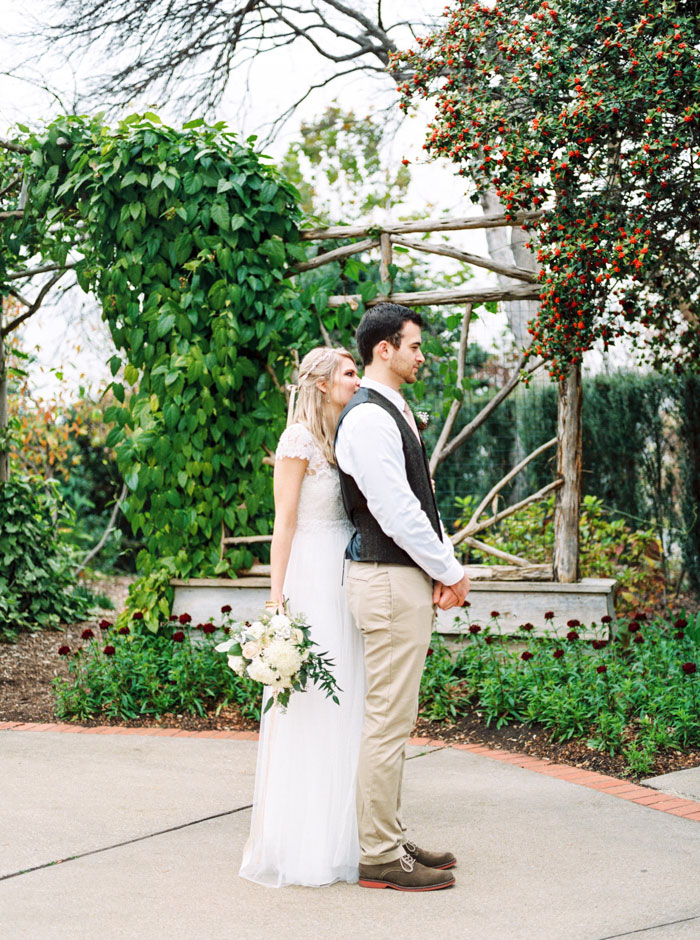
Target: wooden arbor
522,285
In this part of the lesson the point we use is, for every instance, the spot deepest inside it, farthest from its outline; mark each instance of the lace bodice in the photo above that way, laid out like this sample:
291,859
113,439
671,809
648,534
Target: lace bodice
320,500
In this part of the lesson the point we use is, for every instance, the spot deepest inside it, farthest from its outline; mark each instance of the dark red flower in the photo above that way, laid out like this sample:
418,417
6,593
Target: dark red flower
557,654
137,615
495,613
640,615
634,627
601,669
184,618
599,644
639,638
227,630
679,634
467,604
226,609
689,668
124,631
549,615
109,650
105,624
573,623
474,629
178,636
87,634
681,623
63,650
606,618
489,639
526,655
527,627
208,628
571,636
172,617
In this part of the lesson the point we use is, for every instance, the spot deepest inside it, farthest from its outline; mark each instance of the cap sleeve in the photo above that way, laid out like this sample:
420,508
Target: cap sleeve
296,441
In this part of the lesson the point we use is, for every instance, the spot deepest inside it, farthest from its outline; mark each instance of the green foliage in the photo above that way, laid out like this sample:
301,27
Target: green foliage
588,111
634,695
186,235
130,672
37,586
609,548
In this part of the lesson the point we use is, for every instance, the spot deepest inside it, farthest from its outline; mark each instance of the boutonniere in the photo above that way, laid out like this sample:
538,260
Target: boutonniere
422,419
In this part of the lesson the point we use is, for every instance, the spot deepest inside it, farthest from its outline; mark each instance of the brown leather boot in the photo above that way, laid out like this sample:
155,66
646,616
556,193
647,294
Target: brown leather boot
440,860
404,874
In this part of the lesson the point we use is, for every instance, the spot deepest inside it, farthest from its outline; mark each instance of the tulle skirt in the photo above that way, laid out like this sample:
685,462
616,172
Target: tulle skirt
304,829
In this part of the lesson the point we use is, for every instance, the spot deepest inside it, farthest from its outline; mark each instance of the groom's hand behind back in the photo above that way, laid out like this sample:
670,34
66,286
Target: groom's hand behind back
453,595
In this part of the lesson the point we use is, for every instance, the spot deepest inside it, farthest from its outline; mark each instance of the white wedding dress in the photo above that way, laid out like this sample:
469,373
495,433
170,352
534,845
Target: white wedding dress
303,828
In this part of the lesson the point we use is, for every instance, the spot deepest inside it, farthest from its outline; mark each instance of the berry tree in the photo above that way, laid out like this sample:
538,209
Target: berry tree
589,112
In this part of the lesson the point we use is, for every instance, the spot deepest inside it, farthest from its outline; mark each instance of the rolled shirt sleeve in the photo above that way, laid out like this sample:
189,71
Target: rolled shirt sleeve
369,449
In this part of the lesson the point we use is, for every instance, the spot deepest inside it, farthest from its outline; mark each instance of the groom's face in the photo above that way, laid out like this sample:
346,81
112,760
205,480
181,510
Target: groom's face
408,358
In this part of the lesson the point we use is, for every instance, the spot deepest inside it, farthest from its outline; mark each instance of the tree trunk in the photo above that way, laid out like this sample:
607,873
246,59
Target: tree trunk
4,453
568,505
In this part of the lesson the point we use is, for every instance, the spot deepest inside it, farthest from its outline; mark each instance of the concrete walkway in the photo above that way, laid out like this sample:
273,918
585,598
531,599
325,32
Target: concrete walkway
139,837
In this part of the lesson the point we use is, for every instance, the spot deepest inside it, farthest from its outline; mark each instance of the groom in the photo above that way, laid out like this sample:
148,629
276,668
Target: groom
400,566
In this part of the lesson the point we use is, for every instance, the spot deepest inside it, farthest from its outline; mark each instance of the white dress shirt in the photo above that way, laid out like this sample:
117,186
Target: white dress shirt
370,450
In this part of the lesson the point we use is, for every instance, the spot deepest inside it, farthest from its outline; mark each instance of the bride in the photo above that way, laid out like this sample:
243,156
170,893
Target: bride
303,828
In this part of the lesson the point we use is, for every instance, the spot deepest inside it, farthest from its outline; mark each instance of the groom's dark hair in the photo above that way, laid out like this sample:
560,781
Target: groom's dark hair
385,321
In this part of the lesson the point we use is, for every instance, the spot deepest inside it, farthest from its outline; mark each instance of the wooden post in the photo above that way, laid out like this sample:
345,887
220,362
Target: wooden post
386,259
568,505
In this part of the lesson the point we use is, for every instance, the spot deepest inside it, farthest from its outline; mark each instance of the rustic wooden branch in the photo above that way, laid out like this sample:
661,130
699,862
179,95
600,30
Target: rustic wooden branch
439,297
343,252
429,225
11,214
496,552
479,419
245,539
42,269
507,478
110,525
477,260
504,513
456,403
15,148
10,186
32,308
273,375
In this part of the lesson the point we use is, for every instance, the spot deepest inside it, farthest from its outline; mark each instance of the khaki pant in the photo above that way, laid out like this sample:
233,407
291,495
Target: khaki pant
392,606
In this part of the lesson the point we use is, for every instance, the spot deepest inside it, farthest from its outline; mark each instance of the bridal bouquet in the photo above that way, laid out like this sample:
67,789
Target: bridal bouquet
276,651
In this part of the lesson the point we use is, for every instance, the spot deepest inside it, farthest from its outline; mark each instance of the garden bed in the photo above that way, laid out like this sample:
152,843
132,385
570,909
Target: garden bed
28,668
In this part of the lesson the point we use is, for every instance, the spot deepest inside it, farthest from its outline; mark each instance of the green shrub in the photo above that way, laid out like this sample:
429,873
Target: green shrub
129,672
609,547
37,585
633,695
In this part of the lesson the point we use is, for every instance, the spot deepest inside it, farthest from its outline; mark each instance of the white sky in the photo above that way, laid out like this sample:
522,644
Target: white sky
274,81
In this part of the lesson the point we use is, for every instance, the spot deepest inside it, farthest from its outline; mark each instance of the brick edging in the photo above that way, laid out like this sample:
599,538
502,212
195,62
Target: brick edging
612,786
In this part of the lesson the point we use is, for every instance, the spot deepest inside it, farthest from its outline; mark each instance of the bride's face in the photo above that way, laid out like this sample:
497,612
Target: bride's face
345,383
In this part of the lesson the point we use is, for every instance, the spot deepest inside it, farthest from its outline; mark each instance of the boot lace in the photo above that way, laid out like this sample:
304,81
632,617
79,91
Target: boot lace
407,863
411,846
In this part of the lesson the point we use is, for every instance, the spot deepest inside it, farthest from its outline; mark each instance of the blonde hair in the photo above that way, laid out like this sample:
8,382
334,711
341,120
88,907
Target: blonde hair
319,365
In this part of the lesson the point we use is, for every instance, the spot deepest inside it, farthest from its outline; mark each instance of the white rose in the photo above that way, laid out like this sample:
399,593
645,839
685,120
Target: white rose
237,663
250,649
284,657
256,629
259,671
298,636
280,624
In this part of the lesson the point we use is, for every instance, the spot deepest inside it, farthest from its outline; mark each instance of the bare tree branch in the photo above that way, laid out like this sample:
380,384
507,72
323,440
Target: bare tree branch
15,148
110,525
33,307
504,513
43,269
456,402
10,186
